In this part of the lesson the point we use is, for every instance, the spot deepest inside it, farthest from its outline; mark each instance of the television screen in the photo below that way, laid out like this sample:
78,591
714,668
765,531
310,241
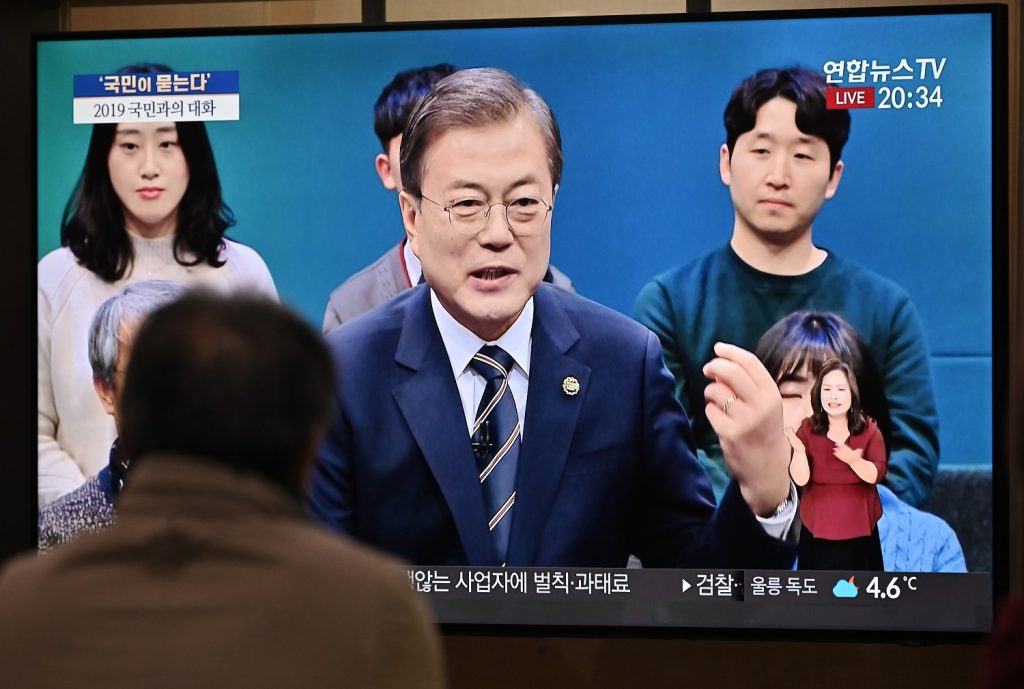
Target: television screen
661,214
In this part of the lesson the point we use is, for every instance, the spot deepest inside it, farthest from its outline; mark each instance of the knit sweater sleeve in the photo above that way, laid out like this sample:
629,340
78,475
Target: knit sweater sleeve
654,308
916,541
914,458
874,452
248,270
58,471
948,554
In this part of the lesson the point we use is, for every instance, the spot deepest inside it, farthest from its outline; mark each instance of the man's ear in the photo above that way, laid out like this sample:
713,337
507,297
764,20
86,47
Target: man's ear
410,215
725,165
833,181
383,166
105,393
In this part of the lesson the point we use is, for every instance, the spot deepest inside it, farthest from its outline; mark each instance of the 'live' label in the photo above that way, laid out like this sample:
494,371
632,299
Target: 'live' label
837,98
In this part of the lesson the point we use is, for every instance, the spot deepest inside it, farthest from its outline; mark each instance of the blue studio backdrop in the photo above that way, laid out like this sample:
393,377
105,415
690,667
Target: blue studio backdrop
640,108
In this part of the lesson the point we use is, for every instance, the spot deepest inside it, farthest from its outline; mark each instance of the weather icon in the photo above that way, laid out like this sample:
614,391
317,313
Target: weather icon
845,589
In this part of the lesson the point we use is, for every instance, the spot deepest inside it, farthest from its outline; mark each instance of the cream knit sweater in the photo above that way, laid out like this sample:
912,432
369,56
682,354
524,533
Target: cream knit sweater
74,432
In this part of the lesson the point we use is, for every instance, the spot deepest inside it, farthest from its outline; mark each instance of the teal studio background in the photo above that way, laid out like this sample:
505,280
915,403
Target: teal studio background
640,107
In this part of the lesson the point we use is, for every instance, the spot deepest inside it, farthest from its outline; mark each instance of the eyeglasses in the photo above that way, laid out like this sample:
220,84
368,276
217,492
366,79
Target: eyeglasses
524,216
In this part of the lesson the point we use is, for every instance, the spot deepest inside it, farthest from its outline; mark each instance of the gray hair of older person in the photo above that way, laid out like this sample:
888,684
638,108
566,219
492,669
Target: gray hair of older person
470,99
131,305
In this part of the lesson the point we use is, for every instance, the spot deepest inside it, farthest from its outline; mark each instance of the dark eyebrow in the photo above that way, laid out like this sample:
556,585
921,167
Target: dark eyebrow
523,181
463,184
766,136
476,186
160,130
793,378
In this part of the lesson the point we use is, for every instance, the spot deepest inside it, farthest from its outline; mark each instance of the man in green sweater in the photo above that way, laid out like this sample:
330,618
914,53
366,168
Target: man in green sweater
781,161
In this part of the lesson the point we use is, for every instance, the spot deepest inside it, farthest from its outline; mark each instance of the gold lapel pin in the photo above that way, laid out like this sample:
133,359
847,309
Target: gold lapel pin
570,386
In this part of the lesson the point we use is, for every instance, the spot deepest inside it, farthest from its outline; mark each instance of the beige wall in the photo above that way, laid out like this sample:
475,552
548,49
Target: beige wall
97,16
90,15
427,10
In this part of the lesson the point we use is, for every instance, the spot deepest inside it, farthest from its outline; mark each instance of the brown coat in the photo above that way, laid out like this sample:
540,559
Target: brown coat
212,578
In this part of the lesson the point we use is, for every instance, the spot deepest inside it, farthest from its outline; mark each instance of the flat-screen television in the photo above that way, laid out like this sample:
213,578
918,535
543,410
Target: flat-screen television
921,206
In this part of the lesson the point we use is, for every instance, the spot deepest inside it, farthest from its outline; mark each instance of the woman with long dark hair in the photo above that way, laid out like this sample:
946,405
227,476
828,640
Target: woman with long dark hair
147,206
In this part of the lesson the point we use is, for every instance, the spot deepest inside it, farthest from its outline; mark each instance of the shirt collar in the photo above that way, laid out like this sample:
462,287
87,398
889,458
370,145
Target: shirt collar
413,268
461,344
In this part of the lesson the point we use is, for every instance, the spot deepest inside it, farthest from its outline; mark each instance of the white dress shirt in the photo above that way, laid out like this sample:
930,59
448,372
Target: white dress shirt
461,344
413,267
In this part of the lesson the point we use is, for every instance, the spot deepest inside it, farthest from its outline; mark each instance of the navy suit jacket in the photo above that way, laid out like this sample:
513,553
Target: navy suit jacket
602,474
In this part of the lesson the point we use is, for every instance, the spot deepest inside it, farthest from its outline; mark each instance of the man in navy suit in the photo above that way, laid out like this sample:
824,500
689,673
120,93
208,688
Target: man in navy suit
490,419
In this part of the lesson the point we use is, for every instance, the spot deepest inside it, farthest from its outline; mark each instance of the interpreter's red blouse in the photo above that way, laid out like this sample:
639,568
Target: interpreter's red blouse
836,504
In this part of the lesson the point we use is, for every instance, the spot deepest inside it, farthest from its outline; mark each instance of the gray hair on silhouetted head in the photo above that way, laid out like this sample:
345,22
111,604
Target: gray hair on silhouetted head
469,99
131,304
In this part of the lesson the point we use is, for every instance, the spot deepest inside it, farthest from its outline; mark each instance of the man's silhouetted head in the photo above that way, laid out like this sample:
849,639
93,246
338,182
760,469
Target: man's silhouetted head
234,380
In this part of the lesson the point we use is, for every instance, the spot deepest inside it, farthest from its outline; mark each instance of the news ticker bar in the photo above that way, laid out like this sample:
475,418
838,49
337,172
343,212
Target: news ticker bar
706,598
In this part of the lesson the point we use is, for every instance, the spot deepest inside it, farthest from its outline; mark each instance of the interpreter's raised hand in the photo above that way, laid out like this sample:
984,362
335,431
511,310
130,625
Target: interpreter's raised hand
745,409
794,441
844,453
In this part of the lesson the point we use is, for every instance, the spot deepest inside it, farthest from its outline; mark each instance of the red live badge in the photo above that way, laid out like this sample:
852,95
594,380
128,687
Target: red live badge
837,98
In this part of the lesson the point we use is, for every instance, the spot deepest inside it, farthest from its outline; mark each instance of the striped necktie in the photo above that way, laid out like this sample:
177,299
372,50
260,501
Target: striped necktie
496,440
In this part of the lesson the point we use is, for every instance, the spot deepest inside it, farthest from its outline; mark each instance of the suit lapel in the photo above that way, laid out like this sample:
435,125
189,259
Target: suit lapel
429,402
551,415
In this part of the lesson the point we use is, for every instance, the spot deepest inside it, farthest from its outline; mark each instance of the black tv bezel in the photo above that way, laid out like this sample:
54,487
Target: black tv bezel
1001,285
